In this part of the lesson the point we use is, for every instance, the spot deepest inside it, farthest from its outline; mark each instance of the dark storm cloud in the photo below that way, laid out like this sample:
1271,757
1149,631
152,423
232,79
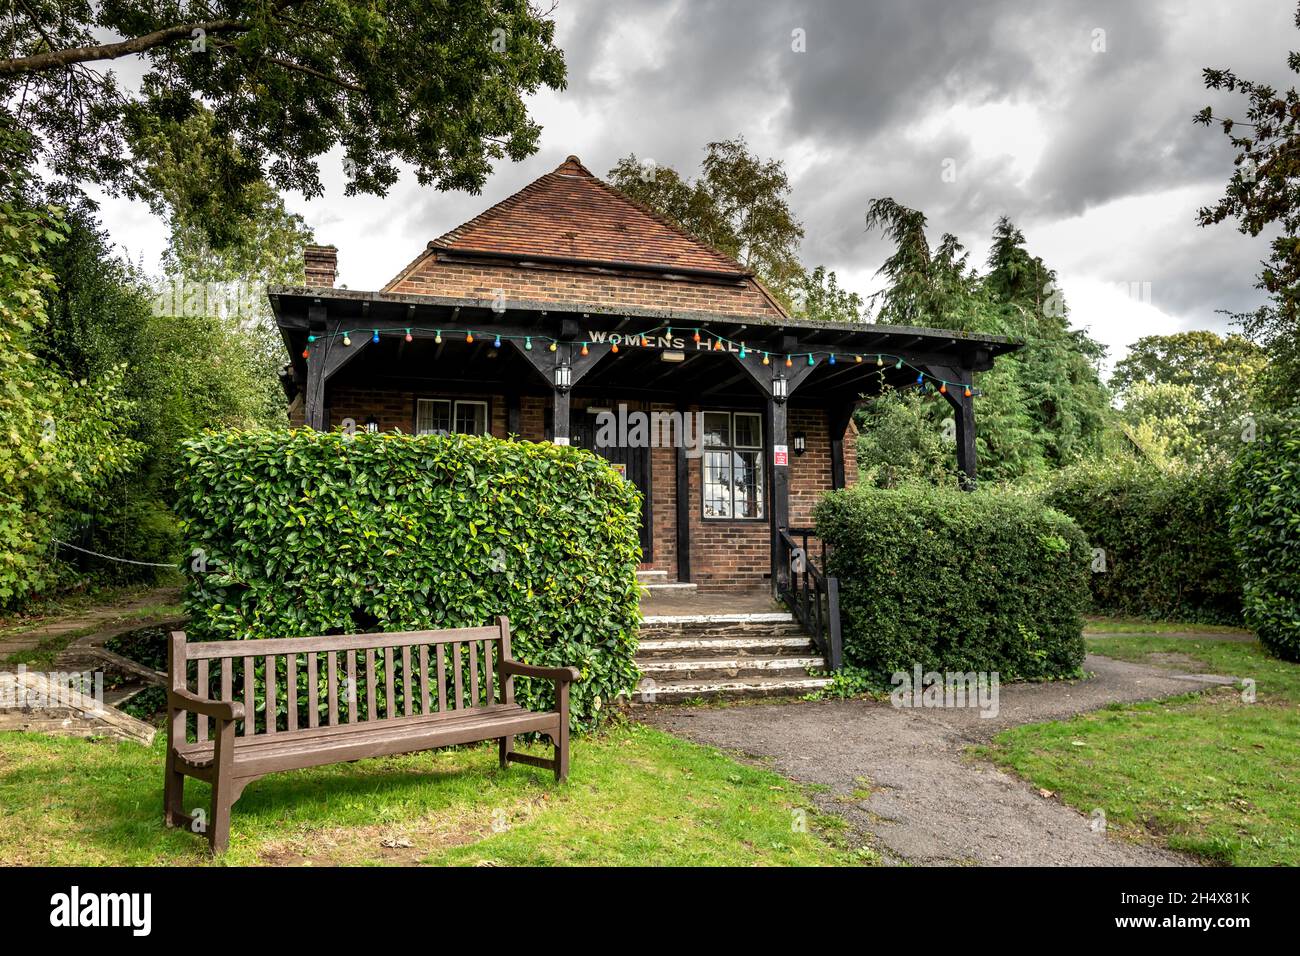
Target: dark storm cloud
853,116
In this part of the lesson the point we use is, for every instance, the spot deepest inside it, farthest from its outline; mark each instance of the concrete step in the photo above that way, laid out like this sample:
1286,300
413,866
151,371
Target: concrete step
711,647
667,692
668,588
652,577
731,668
706,620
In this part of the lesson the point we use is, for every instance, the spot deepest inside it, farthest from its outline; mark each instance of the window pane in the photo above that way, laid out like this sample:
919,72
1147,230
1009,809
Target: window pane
717,429
471,418
748,484
717,484
749,430
432,417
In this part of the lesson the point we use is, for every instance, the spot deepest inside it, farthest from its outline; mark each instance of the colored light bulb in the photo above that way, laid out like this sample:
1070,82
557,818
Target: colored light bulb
528,345
765,359
438,338
409,337
469,336
375,337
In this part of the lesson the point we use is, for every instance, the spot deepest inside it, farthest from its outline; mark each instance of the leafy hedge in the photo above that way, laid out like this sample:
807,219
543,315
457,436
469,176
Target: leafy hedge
981,581
306,533
1168,552
1265,526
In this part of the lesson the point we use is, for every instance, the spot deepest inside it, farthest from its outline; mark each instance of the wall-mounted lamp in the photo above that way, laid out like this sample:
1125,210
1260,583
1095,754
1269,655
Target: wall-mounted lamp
780,389
564,377
800,443
372,424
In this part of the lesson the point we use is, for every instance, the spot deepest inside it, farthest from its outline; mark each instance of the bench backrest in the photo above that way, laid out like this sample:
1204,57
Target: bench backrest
299,684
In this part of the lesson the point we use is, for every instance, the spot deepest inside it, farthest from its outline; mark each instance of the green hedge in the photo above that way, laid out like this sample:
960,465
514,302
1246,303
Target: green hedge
306,533
981,581
1265,526
1168,552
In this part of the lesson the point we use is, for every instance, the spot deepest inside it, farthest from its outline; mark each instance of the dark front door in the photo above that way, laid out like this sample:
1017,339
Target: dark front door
633,462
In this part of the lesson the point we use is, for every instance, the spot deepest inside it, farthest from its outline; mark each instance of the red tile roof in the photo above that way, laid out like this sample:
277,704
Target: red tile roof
571,213
569,237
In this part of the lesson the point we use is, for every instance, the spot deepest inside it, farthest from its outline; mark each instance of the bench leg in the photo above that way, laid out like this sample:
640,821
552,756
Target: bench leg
223,788
561,738
174,814
505,746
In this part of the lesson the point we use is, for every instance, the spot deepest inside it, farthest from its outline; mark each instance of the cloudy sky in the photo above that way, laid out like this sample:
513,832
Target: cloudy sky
1074,119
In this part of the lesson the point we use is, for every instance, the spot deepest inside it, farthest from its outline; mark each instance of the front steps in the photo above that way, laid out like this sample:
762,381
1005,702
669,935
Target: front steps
722,656
656,582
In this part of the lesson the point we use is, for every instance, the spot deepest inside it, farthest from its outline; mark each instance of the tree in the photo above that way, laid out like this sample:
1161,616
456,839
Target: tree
438,86
818,296
63,441
738,205
1262,194
1040,407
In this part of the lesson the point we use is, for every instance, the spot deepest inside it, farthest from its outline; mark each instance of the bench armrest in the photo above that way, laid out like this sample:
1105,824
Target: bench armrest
563,674
219,709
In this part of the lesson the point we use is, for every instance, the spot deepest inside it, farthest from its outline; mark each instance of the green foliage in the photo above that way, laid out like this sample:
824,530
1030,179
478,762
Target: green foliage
1039,408
738,205
1261,196
901,439
818,296
63,441
440,87
306,533
1265,527
1187,395
953,580
1168,553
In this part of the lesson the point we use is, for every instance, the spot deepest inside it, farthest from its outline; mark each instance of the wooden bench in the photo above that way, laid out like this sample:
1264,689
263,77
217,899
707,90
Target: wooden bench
373,695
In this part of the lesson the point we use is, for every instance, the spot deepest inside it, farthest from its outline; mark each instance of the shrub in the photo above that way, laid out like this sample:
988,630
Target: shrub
1265,527
306,533
1167,550
982,581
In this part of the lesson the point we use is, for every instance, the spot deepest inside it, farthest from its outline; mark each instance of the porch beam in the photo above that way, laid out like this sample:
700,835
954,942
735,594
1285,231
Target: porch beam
325,357
545,362
838,416
683,495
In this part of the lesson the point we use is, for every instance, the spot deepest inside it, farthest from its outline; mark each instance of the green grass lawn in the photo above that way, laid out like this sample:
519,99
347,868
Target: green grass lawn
1208,773
635,796
1128,625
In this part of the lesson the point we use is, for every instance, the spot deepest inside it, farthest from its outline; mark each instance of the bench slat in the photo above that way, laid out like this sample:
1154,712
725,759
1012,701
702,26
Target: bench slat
488,648
227,679
424,678
201,688
350,669
313,694
460,680
292,698
407,703
473,673
271,678
250,715
388,683
338,642
332,678
372,706
442,678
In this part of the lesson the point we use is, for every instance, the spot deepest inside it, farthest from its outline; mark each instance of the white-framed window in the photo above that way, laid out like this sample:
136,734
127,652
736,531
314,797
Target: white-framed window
733,465
439,416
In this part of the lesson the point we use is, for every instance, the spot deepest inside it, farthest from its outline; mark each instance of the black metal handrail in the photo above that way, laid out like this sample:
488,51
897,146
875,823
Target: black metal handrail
812,596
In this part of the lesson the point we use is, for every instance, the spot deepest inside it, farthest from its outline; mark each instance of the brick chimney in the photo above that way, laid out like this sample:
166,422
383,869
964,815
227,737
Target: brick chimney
322,265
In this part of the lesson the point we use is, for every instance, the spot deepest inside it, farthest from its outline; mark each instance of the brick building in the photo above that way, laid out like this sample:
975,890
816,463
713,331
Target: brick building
567,308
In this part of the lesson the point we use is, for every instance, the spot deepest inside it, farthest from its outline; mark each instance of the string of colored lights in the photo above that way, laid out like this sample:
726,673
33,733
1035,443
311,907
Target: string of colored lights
642,340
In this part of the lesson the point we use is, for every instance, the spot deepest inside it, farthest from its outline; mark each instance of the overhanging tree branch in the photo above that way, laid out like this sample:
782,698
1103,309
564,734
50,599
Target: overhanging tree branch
55,59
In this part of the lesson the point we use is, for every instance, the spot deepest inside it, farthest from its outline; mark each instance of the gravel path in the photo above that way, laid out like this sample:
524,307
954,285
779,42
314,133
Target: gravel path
929,802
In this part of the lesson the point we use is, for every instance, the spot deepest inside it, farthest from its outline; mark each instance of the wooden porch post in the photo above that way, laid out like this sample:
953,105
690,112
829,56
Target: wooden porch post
546,362
683,492
777,383
837,421
325,357
963,410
